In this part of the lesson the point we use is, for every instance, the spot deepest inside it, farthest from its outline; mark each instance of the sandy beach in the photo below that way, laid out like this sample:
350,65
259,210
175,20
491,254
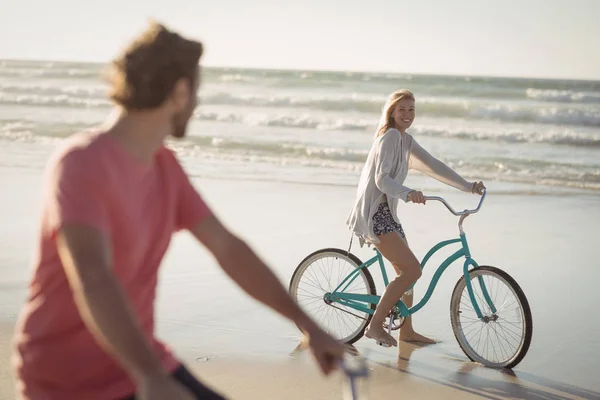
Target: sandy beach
548,243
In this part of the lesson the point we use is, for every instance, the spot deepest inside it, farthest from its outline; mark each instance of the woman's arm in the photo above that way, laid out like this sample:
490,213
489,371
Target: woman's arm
424,162
388,148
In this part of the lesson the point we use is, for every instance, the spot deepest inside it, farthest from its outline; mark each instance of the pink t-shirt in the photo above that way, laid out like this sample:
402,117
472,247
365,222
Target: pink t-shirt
92,180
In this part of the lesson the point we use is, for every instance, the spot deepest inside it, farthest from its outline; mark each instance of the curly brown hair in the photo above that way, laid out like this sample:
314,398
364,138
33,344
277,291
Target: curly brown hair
145,73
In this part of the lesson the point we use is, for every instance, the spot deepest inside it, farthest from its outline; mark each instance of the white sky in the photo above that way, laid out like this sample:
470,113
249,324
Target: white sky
539,38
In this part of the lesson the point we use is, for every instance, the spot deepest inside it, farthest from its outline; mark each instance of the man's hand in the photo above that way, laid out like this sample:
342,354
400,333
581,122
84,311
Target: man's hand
416,197
478,188
325,349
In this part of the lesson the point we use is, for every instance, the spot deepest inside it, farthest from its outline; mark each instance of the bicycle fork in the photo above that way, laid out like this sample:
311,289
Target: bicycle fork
468,262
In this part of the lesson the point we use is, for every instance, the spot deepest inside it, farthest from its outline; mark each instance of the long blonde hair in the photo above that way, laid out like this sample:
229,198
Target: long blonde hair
387,120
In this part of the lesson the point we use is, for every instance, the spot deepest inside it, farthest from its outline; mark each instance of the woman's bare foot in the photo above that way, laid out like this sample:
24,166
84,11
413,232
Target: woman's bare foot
380,335
414,337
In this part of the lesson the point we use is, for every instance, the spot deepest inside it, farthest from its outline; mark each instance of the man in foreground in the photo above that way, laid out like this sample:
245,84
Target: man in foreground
111,201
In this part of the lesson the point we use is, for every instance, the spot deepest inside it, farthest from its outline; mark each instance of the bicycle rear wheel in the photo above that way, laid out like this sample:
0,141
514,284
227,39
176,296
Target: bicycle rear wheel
500,339
320,273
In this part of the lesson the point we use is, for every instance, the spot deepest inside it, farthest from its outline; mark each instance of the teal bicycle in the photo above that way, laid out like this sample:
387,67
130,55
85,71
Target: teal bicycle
489,313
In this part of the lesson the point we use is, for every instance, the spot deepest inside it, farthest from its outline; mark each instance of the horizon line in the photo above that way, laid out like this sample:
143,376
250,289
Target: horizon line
290,69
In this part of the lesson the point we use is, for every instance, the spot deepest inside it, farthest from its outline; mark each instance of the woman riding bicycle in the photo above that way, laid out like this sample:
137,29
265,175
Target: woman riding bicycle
373,218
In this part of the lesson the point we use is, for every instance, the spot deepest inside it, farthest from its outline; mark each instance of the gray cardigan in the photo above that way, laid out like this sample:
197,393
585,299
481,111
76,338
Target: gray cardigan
386,168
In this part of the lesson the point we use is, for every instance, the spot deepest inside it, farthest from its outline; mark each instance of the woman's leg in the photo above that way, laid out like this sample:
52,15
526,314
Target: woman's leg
407,332
393,247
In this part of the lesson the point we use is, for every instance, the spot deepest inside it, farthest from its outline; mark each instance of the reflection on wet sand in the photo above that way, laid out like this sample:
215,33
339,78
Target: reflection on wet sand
476,379
454,372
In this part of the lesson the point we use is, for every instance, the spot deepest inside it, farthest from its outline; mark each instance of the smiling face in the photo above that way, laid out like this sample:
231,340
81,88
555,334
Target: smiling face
403,114
398,112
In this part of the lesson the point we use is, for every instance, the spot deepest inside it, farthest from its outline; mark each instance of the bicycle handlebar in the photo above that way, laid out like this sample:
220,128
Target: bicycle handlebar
358,368
353,368
465,212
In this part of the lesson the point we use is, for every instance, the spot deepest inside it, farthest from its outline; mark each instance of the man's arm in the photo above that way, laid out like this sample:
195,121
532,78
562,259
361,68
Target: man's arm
86,257
243,266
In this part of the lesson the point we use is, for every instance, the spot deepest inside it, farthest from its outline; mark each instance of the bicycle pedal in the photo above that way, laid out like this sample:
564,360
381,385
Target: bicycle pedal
382,344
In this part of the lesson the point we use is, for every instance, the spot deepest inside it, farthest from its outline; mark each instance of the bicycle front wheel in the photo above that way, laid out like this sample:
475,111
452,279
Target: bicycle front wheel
320,273
502,337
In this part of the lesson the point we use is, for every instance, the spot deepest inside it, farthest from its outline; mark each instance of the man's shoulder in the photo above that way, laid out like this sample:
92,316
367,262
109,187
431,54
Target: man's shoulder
167,157
167,152
78,150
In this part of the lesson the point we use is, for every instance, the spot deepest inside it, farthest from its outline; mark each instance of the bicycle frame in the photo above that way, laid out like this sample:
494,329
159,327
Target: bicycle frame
362,302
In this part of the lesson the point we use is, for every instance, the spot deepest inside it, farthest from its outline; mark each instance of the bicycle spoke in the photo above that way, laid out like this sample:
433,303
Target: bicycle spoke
322,275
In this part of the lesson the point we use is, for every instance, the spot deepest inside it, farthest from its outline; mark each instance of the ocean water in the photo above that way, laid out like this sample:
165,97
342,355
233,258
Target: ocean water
523,135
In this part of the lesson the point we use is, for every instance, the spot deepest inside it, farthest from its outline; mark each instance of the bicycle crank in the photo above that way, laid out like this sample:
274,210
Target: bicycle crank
397,322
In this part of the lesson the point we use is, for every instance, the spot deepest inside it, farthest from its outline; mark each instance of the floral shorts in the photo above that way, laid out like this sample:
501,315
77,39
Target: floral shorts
383,222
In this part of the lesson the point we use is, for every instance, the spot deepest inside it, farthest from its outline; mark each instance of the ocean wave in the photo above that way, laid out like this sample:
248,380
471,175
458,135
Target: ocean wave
428,107
50,69
348,102
504,169
285,149
559,136
287,121
556,137
353,102
34,132
334,153
546,115
505,100
25,132
58,73
86,91
569,96
474,87
16,130
553,135
44,94
57,100
339,159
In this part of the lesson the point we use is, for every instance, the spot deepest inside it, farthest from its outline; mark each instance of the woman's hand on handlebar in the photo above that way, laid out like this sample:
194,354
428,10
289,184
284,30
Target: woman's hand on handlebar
416,197
478,188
